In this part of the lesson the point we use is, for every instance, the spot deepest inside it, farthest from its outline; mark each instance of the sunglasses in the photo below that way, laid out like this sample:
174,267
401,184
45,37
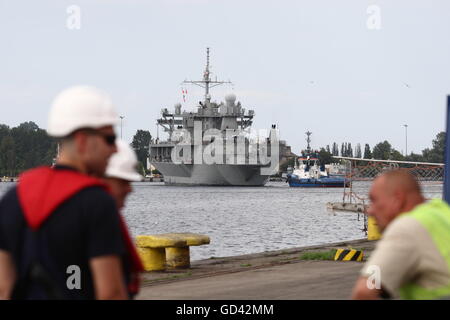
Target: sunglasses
110,139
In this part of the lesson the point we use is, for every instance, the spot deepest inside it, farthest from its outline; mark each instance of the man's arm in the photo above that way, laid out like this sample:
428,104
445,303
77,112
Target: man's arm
395,260
108,278
7,275
361,291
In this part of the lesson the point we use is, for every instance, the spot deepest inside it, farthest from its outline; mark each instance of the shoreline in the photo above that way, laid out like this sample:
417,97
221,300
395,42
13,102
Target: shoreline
233,264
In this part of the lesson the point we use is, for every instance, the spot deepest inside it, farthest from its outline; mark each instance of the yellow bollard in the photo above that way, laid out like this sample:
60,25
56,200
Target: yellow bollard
178,257
153,259
170,249
373,233
152,250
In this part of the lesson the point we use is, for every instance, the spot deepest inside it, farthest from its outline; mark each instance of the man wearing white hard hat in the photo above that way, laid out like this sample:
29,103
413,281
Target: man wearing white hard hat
121,171
61,236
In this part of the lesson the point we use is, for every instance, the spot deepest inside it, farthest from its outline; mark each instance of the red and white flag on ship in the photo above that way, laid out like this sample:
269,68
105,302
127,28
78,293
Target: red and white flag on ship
184,92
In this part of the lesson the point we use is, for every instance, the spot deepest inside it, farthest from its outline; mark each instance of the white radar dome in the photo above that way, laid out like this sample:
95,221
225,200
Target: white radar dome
231,97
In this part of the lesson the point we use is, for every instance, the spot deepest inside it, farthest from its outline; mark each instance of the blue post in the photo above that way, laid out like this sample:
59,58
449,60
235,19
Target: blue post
447,156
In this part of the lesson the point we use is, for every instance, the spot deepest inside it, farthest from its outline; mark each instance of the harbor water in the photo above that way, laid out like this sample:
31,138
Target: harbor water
242,220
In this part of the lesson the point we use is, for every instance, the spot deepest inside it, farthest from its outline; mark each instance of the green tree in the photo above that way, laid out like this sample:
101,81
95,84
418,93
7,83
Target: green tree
414,157
367,152
335,149
7,156
382,151
33,147
325,156
436,153
349,150
140,144
24,147
4,130
396,155
358,153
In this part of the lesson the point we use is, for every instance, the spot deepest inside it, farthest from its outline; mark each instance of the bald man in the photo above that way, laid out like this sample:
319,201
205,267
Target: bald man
412,260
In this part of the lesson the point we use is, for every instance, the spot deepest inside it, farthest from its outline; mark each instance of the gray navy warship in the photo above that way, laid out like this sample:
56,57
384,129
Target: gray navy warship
242,163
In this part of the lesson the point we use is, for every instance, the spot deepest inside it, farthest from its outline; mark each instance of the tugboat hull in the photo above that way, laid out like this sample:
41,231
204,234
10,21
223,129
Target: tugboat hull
331,182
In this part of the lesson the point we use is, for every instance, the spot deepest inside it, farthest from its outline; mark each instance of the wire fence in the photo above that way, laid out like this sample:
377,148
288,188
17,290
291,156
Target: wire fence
369,170
355,169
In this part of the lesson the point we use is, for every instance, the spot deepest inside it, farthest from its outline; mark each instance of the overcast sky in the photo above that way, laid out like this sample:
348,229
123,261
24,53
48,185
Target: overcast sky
322,66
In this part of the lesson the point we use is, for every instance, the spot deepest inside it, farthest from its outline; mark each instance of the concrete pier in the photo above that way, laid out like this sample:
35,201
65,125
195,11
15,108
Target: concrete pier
269,275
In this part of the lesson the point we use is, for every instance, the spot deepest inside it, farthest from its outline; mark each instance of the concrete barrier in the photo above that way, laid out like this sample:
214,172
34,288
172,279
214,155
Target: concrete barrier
348,255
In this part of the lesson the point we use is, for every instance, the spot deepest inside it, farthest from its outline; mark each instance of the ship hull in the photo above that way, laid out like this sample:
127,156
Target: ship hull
335,182
211,175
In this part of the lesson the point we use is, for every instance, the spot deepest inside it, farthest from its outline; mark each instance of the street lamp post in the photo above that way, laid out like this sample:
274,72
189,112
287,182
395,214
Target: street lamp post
121,118
406,139
447,155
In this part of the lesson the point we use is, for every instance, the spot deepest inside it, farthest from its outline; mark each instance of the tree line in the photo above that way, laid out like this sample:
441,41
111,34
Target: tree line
23,147
384,151
27,146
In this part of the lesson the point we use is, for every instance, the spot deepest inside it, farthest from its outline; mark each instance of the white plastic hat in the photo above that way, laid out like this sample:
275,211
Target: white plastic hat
123,163
80,107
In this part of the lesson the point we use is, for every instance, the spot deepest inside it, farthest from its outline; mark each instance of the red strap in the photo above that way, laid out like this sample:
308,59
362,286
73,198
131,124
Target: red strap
135,261
42,190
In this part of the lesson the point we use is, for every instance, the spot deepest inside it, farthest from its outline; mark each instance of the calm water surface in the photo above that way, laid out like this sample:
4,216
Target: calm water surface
243,220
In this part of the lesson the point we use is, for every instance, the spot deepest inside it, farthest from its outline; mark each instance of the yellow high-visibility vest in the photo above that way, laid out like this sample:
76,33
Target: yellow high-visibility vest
435,217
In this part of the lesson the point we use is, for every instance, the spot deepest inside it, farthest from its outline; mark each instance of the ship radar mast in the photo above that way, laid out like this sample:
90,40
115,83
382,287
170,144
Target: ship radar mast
308,140
206,83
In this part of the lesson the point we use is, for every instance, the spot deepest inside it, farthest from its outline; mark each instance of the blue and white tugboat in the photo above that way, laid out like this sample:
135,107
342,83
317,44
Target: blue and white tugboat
309,173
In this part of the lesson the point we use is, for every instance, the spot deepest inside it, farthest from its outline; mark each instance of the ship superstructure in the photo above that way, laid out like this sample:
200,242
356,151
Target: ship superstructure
212,145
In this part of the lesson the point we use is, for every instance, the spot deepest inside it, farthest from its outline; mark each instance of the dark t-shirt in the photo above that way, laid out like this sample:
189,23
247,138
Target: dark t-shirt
85,226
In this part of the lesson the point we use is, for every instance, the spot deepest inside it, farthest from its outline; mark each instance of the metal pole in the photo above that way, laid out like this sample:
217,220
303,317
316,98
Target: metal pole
121,118
447,155
406,139
206,75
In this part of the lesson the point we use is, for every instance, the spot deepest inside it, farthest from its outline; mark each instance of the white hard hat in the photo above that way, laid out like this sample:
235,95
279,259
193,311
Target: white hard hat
80,107
123,163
